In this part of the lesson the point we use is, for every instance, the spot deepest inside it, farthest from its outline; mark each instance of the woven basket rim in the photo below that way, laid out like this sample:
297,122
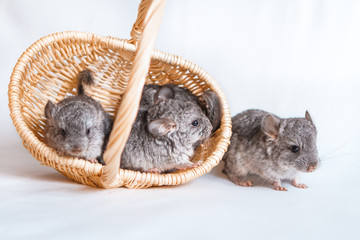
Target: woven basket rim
113,43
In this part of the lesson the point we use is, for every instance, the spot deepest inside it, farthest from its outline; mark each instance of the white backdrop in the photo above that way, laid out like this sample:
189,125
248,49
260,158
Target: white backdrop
280,56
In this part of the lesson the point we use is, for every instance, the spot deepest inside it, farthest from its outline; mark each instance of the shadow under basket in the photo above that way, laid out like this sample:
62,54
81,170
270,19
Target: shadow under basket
47,71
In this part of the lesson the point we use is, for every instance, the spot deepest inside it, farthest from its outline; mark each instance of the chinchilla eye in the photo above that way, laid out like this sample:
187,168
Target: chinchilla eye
63,132
195,123
295,149
88,131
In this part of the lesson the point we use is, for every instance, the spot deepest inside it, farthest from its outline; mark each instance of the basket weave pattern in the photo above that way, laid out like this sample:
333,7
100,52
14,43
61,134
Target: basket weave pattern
47,71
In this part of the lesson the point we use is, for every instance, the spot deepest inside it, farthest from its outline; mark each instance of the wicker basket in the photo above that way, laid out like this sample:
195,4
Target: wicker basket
47,71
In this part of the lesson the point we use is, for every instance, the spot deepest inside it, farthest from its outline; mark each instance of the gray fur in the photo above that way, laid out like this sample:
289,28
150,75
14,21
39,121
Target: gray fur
262,144
150,91
212,108
78,126
163,137
211,105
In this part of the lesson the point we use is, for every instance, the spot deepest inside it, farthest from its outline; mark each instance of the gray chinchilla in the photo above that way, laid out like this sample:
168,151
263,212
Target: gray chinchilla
164,137
271,147
78,126
211,105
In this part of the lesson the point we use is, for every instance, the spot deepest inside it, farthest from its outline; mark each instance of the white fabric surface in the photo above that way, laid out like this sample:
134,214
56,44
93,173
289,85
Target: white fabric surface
280,56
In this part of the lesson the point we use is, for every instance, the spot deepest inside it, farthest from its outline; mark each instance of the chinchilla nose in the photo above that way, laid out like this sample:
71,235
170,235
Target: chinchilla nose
76,149
313,163
312,167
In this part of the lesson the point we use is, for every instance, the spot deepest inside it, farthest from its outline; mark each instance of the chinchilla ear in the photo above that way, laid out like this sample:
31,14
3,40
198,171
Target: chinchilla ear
307,116
164,93
49,109
161,126
270,126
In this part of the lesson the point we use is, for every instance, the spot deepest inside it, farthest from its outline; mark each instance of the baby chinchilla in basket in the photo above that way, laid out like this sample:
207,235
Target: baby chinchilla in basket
78,126
211,104
168,128
271,147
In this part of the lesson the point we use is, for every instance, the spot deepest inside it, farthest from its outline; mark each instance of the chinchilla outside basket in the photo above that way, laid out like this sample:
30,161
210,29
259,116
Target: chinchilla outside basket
47,70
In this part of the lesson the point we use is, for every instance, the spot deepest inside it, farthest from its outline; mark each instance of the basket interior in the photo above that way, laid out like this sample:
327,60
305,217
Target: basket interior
50,74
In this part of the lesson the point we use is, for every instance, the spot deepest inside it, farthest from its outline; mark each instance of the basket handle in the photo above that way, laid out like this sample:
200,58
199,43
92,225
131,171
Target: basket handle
143,34
138,26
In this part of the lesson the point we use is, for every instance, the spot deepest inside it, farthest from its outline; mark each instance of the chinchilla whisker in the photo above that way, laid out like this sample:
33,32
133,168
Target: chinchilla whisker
337,156
332,161
334,150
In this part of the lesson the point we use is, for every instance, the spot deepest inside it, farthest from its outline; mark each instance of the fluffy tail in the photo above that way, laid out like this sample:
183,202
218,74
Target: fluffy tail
84,79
